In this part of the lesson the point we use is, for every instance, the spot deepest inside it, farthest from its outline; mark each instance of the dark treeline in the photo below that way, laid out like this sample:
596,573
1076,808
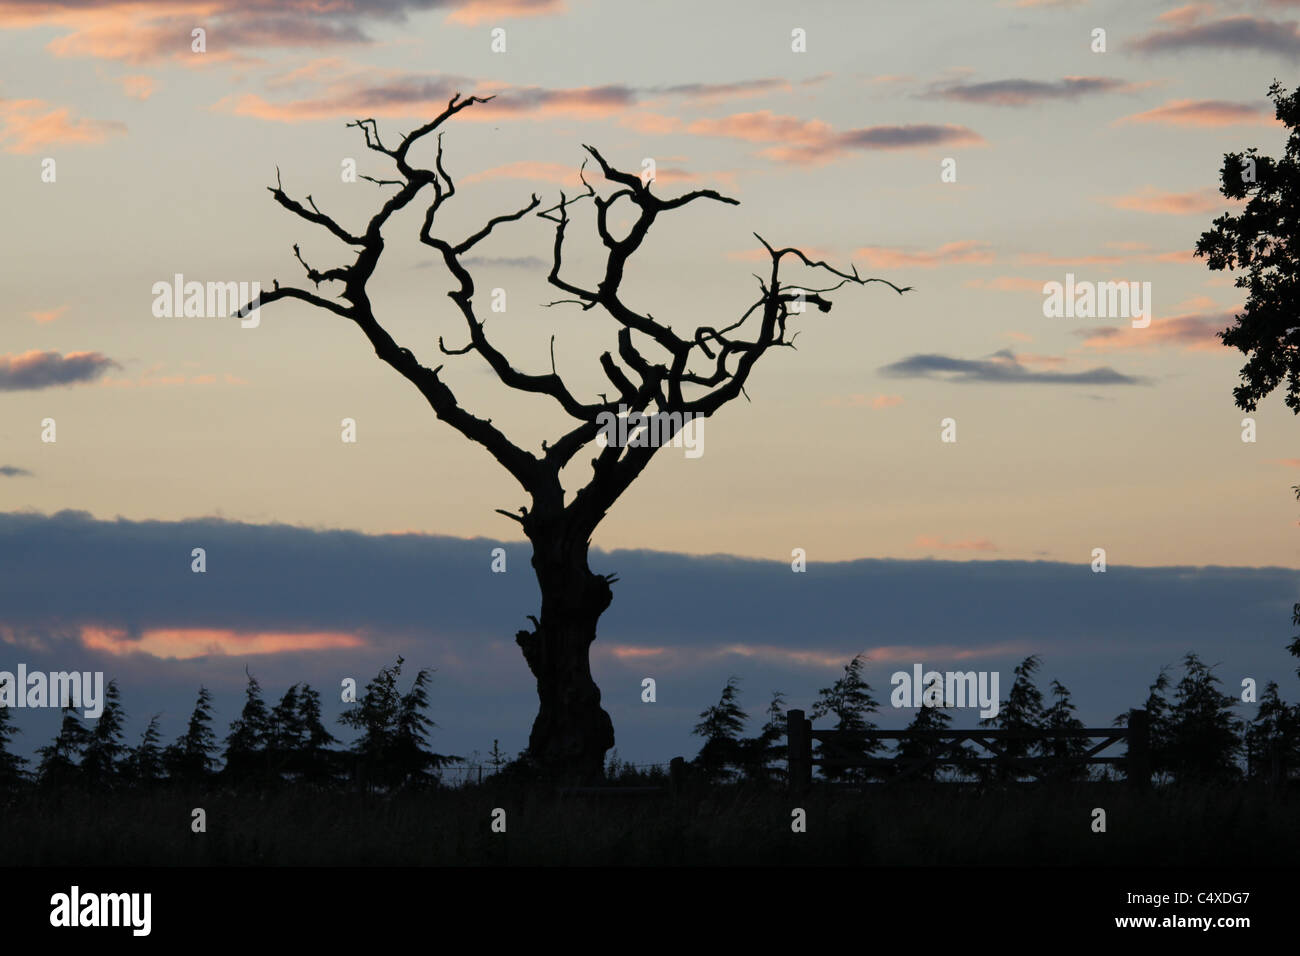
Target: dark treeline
1194,735
267,745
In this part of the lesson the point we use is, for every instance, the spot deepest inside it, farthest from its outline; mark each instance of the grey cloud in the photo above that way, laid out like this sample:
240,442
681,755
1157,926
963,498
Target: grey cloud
1002,367
1232,33
434,600
1018,92
36,370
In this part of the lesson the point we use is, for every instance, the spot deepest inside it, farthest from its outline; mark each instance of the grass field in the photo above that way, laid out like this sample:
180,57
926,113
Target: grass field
719,826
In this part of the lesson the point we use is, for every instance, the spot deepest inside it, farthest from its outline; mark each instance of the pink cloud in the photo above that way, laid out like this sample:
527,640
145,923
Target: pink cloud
1202,113
50,315
813,141
138,87
1152,200
1006,284
474,12
29,125
1196,332
188,643
951,253
859,400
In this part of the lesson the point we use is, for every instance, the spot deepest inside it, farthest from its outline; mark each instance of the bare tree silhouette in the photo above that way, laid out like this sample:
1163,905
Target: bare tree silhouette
572,731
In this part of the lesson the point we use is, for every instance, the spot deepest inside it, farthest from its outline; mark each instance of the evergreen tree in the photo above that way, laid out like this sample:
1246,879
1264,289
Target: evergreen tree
59,766
1022,711
190,759
246,746
1203,741
1273,737
316,759
100,764
284,736
145,763
1157,708
758,755
11,765
414,763
919,749
1061,716
849,700
720,726
391,750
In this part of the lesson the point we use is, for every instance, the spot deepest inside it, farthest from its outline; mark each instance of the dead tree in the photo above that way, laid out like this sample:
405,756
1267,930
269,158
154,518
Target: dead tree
572,731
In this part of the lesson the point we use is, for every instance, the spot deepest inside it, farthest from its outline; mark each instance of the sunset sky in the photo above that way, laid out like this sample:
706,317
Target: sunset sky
1072,433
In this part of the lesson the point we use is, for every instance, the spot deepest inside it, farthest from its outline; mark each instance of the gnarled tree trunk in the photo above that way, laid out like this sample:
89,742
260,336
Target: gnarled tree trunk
572,732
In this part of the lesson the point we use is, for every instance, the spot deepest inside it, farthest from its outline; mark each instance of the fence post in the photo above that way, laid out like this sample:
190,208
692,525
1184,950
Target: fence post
798,744
676,774
1138,768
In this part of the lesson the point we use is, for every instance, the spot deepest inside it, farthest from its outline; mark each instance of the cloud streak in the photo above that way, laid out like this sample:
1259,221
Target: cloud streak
1203,114
1019,92
1001,368
1240,33
36,370
29,125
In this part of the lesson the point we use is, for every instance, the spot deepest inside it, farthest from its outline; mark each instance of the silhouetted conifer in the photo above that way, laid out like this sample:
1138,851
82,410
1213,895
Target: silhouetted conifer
190,759
1203,734
720,726
1061,716
762,758
849,700
144,764
246,757
1021,711
316,761
1272,739
391,751
12,773
60,760
918,749
100,763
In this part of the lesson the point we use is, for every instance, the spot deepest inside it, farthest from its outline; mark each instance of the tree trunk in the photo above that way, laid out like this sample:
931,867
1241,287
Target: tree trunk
572,732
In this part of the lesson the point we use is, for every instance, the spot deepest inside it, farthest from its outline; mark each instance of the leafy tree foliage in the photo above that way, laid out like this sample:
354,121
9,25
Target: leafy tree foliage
1263,241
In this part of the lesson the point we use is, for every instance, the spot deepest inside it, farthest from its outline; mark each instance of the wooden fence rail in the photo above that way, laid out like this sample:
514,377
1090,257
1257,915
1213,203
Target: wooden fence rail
842,750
